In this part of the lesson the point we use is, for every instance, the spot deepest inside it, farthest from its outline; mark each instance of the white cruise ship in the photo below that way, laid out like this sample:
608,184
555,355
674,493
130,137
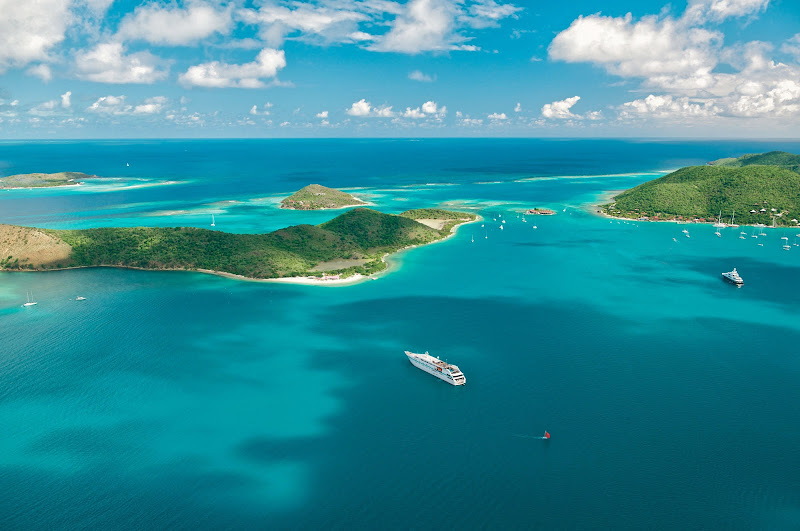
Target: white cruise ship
734,277
445,371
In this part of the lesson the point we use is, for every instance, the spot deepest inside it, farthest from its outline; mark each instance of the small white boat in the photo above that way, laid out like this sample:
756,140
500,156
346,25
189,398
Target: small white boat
535,227
213,223
30,302
503,221
685,231
719,234
733,276
80,298
501,227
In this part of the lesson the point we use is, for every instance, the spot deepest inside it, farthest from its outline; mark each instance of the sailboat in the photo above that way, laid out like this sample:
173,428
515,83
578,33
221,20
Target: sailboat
30,302
732,224
719,223
786,245
213,223
473,238
546,436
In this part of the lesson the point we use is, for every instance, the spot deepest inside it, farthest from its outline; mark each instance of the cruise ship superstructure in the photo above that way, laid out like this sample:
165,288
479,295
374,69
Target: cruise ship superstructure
444,371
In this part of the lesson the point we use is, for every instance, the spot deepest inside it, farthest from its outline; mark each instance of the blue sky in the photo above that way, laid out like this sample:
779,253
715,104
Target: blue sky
330,68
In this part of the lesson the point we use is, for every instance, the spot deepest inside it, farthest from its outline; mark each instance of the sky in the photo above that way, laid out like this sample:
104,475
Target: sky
386,68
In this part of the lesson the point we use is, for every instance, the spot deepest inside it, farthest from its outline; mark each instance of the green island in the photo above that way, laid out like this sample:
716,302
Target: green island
352,243
317,197
42,180
760,188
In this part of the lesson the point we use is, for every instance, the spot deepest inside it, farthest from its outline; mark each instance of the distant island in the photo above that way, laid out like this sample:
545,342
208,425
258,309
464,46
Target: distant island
353,243
317,197
540,211
759,188
42,180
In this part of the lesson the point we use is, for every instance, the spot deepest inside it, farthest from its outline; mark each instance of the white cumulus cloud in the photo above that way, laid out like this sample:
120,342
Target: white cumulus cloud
66,101
249,75
431,107
719,10
413,113
667,106
171,25
323,114
263,112
360,108
109,105
312,22
497,116
418,75
152,105
29,30
560,109
42,71
108,63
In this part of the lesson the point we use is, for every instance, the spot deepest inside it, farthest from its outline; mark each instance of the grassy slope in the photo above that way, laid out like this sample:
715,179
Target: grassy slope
41,180
360,233
315,197
702,191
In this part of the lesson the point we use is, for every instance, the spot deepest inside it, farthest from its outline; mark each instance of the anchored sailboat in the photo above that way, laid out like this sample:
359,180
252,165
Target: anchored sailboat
30,302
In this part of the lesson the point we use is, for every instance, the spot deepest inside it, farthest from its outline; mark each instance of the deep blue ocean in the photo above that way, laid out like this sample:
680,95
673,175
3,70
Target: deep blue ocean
174,400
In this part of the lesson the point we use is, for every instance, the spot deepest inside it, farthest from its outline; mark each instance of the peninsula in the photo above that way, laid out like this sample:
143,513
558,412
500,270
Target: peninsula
42,180
353,243
763,188
317,197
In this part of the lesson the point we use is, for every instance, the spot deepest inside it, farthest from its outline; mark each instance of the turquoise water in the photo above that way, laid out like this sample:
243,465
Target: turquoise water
184,400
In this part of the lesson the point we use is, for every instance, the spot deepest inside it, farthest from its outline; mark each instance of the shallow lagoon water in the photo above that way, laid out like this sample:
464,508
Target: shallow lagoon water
185,400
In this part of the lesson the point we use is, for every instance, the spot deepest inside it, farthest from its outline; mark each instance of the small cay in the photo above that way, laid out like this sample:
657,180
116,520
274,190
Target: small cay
42,180
317,197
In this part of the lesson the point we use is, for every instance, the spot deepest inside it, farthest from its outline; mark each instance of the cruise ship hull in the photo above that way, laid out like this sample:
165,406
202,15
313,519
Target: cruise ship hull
428,364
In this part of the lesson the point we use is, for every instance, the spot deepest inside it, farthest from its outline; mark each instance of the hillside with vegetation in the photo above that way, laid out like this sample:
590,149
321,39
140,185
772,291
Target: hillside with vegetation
355,241
783,159
42,180
317,197
757,193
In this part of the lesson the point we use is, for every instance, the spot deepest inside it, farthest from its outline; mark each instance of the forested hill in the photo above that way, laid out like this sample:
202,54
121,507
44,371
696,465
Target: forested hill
354,241
758,193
